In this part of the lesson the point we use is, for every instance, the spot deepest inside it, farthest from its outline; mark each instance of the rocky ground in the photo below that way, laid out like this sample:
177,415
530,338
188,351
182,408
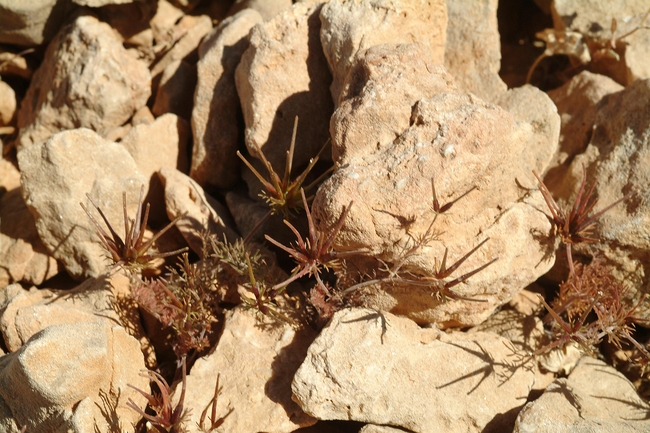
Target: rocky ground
442,285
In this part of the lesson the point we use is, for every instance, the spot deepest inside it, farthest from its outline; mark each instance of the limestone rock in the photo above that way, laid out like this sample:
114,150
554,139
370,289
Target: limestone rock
176,90
185,196
31,22
350,27
162,143
7,103
377,368
593,18
195,28
87,79
594,398
9,176
408,124
256,365
100,3
577,103
23,257
216,113
473,48
73,377
284,74
617,160
27,312
266,8
73,164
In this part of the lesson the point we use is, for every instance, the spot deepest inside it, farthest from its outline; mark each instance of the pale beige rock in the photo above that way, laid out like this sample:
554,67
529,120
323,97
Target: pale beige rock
87,79
284,74
100,3
473,48
577,103
73,377
184,196
408,124
371,428
196,27
350,27
594,398
9,176
256,364
142,116
176,90
529,105
23,257
73,164
383,369
7,103
525,334
162,23
162,143
266,8
215,117
593,18
31,22
617,160
27,312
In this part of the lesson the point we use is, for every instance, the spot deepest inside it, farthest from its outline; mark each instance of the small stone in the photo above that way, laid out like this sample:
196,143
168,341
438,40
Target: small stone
73,377
594,398
87,79
255,365
216,114
72,164
7,104
284,74
377,368
202,212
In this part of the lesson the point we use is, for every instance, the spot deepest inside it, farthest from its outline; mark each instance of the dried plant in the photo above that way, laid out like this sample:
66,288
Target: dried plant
130,253
577,226
590,306
283,194
435,280
168,419
314,253
264,296
214,421
186,300
583,49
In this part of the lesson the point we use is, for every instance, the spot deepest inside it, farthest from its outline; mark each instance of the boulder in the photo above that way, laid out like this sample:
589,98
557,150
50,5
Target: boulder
351,27
594,398
31,22
254,365
406,125
72,164
73,377
87,80
284,74
377,368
